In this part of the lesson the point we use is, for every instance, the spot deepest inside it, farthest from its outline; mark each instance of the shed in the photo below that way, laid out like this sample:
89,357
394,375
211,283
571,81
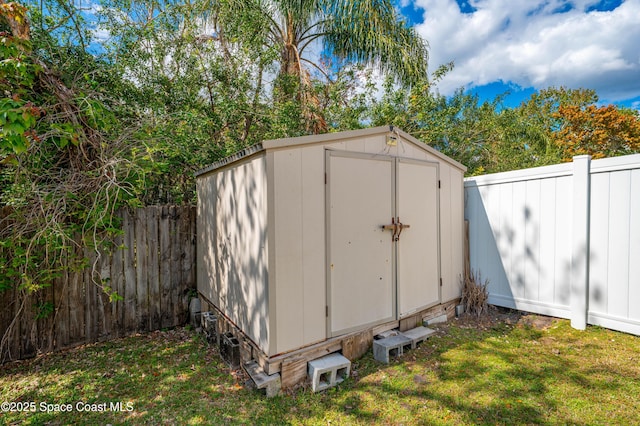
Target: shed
306,239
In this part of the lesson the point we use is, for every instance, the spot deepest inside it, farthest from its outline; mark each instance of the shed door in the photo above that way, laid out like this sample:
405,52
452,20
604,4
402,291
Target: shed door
372,278
417,261
360,198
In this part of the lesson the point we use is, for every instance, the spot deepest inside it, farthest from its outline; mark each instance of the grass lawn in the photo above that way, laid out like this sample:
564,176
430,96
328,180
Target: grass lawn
505,369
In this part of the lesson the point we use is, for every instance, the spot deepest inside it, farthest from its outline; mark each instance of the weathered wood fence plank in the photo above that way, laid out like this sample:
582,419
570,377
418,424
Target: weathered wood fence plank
129,262
166,308
153,242
117,285
151,269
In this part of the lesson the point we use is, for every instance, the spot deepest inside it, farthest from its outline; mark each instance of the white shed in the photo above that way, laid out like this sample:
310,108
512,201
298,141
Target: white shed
305,239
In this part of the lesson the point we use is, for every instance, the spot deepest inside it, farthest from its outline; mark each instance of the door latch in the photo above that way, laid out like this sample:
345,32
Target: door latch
397,228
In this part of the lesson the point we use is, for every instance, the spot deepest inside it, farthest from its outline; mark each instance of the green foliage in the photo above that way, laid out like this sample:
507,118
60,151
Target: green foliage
64,169
282,32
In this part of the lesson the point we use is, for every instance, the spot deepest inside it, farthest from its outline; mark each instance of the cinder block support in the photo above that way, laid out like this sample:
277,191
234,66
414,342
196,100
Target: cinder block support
270,384
418,335
580,241
437,320
328,371
384,349
230,350
210,327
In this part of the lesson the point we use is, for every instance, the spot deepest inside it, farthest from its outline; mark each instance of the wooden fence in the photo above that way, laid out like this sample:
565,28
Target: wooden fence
153,270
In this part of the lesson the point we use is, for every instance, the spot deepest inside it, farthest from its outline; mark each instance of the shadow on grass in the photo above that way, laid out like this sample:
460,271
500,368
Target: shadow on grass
500,376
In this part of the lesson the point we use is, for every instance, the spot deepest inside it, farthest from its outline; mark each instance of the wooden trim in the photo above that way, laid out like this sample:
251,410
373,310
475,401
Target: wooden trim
353,343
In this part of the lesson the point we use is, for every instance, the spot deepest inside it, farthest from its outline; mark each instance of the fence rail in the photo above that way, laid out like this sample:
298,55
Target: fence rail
152,269
561,240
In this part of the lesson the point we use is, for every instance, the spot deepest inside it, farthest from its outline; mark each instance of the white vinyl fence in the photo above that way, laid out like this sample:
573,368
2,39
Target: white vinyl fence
561,240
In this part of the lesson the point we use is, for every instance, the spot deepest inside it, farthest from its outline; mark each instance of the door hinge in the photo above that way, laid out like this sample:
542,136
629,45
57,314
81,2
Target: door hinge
438,184
325,178
326,311
440,282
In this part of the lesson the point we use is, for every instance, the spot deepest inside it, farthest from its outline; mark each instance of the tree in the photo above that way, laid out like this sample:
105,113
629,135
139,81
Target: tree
186,101
363,31
598,131
63,165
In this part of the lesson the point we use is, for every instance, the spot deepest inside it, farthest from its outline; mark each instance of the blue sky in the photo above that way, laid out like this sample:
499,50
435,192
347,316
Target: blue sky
527,45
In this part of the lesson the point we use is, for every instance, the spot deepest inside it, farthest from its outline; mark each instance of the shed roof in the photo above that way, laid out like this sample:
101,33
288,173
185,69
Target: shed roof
323,139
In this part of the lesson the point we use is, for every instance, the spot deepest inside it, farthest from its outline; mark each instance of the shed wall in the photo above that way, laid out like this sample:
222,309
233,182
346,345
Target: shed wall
451,232
299,227
232,244
299,250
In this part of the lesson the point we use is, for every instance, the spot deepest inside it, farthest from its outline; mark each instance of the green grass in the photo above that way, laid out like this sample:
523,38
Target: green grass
497,374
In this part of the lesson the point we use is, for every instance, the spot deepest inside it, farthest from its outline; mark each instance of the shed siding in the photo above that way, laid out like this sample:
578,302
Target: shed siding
299,229
232,255
262,233
451,231
299,226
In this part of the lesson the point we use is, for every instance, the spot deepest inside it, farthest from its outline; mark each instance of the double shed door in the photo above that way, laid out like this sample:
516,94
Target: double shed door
377,271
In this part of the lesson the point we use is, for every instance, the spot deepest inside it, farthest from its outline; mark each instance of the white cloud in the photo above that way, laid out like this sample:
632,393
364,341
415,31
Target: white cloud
531,44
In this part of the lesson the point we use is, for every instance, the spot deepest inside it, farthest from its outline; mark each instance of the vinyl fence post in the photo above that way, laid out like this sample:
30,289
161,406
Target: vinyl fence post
580,241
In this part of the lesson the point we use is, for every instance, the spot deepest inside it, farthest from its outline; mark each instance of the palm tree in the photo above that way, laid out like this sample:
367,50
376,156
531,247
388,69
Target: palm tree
369,32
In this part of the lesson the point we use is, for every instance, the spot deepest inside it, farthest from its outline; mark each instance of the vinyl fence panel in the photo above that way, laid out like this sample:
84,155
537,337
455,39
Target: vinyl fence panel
561,240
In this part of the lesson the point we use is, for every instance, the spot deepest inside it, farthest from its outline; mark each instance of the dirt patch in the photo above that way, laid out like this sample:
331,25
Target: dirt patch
539,322
498,315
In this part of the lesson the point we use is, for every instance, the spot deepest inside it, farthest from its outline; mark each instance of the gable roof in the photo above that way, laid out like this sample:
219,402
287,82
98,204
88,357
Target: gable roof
325,139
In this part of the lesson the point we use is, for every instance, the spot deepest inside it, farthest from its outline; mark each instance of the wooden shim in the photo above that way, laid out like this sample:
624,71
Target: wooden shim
293,371
176,265
155,320
117,284
142,256
353,347
164,234
246,350
410,322
129,260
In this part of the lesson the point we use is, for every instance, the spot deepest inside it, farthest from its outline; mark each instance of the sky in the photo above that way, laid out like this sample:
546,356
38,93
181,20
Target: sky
526,45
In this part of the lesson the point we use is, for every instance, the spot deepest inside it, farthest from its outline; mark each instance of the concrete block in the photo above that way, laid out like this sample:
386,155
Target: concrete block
459,310
418,335
210,328
270,384
437,320
384,349
328,371
194,312
230,350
